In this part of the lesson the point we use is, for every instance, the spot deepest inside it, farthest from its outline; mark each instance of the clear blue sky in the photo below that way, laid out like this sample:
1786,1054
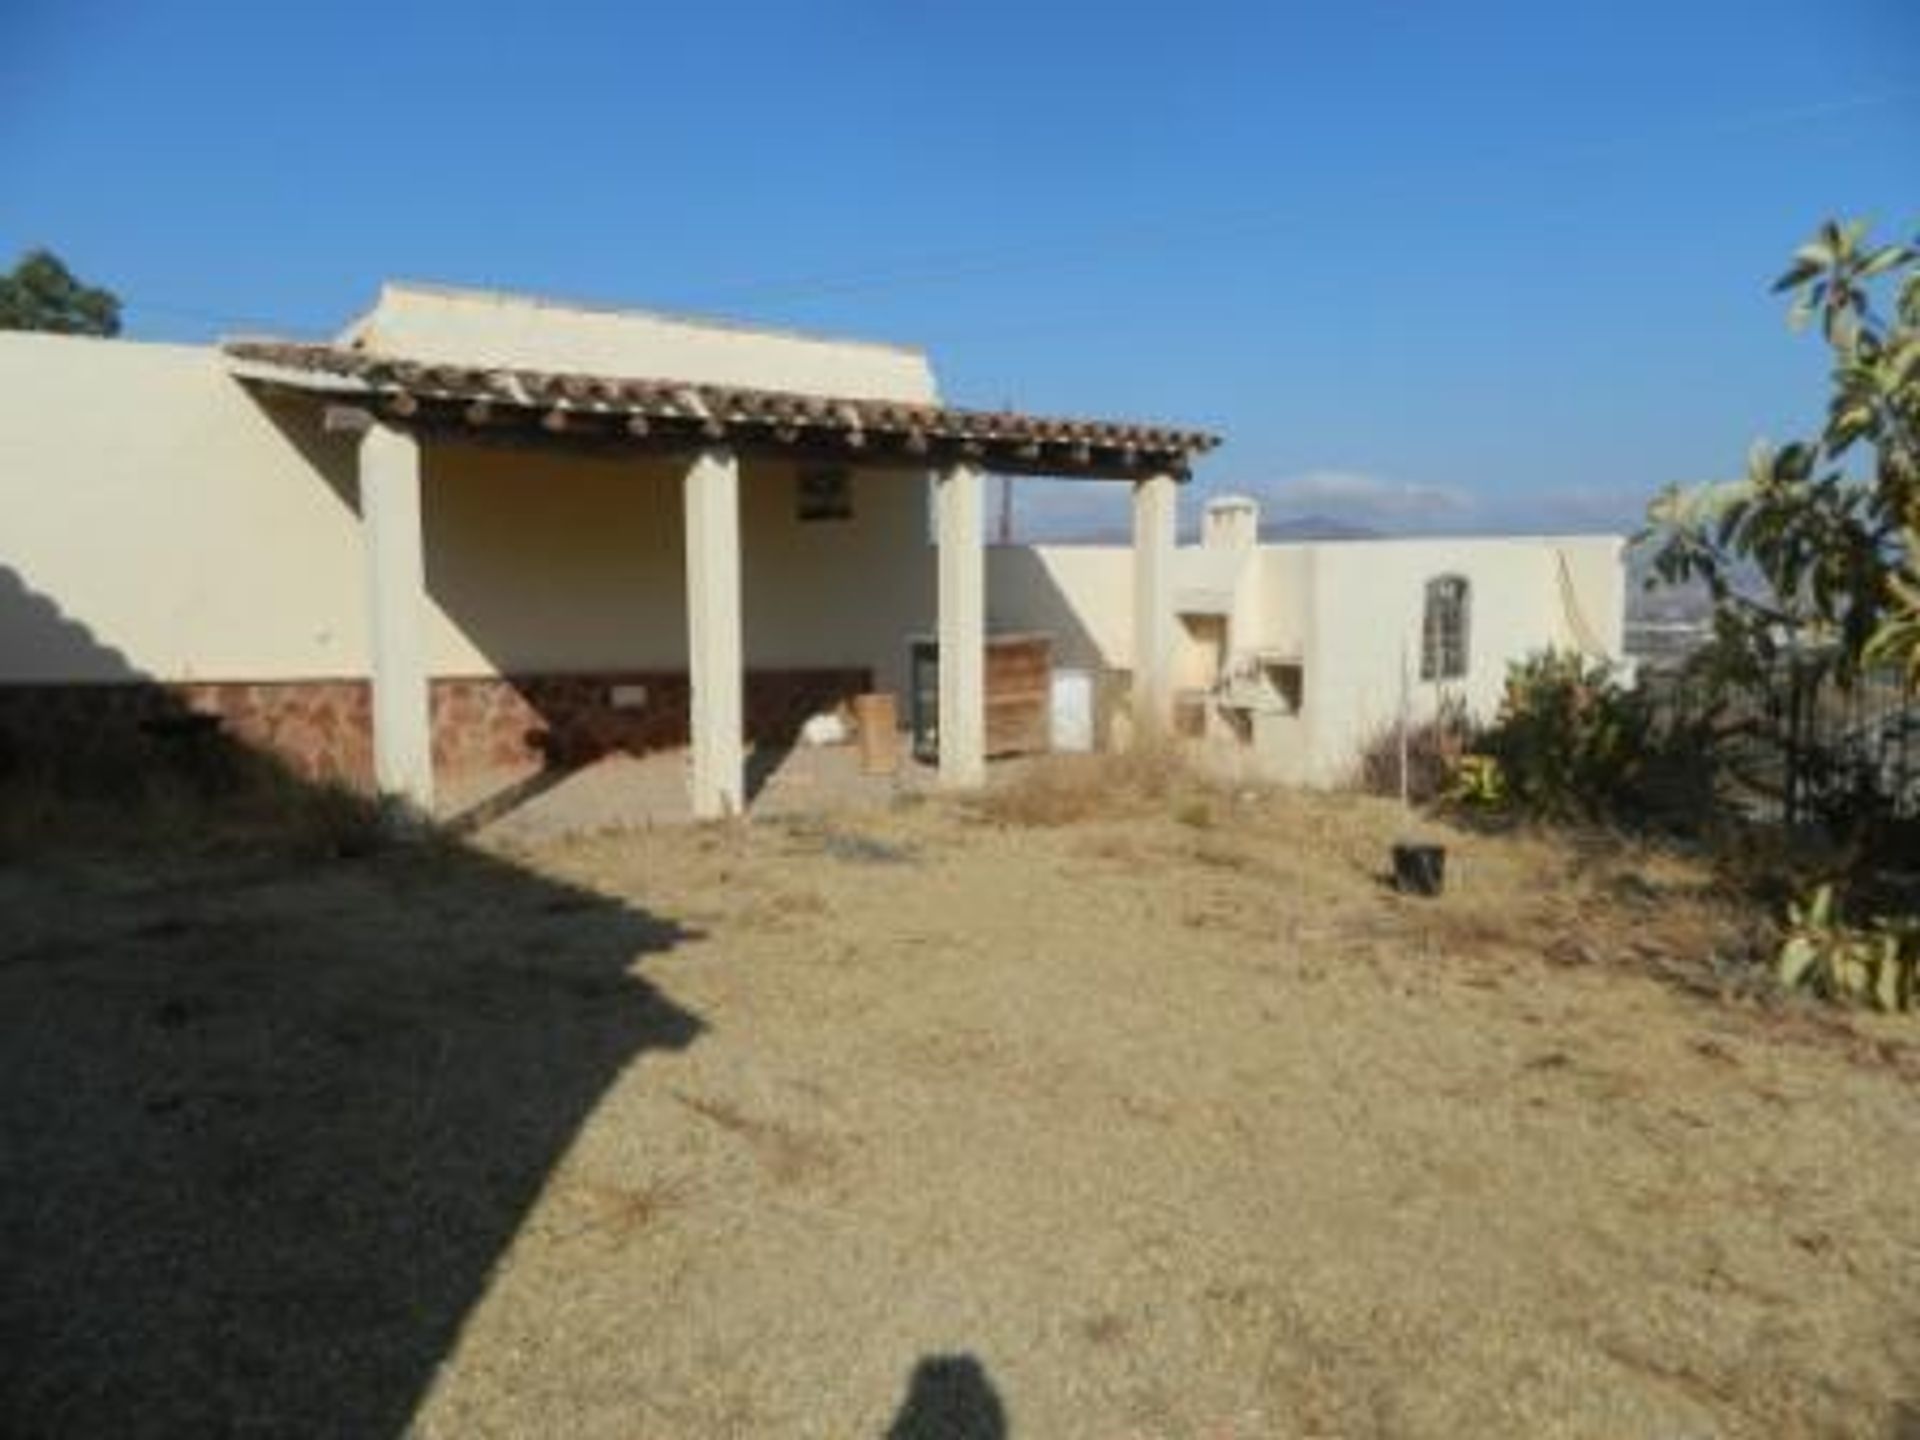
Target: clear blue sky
1432,264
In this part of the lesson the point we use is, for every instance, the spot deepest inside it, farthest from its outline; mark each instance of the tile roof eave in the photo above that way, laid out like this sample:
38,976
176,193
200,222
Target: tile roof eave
341,370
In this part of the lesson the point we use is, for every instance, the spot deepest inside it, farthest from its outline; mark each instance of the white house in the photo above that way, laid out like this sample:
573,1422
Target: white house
1293,656
486,533
480,536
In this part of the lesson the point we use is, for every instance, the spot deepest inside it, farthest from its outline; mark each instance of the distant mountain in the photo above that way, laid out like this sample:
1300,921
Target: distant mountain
1077,535
1314,527
1293,529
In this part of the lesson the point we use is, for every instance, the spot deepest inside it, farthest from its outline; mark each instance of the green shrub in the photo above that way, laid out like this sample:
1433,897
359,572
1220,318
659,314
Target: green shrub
1878,965
1570,742
1478,783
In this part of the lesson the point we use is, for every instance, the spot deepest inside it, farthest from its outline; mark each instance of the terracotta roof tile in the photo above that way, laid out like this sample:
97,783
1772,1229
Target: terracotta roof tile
998,439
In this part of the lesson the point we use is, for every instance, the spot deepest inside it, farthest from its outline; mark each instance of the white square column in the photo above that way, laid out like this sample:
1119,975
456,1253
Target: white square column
1153,632
963,627
714,661
396,605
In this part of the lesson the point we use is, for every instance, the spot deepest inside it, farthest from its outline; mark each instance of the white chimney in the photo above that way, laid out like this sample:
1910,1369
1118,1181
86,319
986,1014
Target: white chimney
1231,522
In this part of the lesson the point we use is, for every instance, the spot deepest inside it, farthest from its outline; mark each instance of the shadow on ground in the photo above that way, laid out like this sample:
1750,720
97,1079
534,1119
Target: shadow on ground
950,1397
269,1117
263,1152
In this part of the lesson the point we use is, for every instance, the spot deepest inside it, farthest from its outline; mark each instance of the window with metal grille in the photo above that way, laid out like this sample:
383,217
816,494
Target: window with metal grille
824,493
1444,629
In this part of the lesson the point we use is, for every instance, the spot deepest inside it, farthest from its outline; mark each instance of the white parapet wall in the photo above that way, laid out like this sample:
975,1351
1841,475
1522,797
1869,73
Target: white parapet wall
485,327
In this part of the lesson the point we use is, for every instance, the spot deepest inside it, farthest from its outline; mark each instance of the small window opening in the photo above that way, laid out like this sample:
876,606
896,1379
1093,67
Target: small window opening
1444,629
824,493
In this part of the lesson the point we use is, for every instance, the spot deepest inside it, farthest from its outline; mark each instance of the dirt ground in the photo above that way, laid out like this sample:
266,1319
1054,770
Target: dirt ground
931,1122
629,792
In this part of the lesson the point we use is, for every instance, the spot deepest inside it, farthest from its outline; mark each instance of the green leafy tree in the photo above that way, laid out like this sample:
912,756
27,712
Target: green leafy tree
1814,551
42,294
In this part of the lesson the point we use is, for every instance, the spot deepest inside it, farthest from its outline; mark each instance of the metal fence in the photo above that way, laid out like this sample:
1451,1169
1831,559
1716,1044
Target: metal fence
1797,748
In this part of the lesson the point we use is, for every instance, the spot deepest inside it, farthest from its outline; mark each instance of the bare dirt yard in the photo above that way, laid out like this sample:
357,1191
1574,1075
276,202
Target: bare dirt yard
1156,1116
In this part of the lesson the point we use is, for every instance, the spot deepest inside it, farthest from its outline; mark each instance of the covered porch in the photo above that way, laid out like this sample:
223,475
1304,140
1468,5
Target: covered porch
714,440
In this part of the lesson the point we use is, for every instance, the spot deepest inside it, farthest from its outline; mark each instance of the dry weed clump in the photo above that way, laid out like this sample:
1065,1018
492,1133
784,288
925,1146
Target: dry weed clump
1071,789
1572,897
159,803
1597,900
1433,748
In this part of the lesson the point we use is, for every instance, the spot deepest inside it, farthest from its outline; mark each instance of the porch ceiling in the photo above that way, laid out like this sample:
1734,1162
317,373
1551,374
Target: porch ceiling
674,414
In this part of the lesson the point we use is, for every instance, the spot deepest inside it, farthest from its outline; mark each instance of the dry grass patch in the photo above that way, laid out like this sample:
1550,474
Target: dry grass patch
620,1214
142,805
789,1155
1181,1127
1072,789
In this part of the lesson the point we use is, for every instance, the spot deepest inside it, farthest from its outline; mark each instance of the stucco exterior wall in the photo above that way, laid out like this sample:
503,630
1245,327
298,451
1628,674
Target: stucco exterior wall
1368,602
547,562
1081,594
836,592
1597,574
161,522
1288,600
481,327
1348,610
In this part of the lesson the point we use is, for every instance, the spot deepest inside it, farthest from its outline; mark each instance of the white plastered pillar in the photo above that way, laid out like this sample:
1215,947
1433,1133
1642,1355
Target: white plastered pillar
1153,632
396,613
963,627
714,656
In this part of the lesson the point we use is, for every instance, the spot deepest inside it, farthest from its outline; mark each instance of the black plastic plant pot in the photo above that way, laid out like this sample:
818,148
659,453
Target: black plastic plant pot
1419,869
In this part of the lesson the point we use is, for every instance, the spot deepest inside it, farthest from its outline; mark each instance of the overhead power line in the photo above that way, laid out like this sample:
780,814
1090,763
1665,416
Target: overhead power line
1140,235
1114,239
